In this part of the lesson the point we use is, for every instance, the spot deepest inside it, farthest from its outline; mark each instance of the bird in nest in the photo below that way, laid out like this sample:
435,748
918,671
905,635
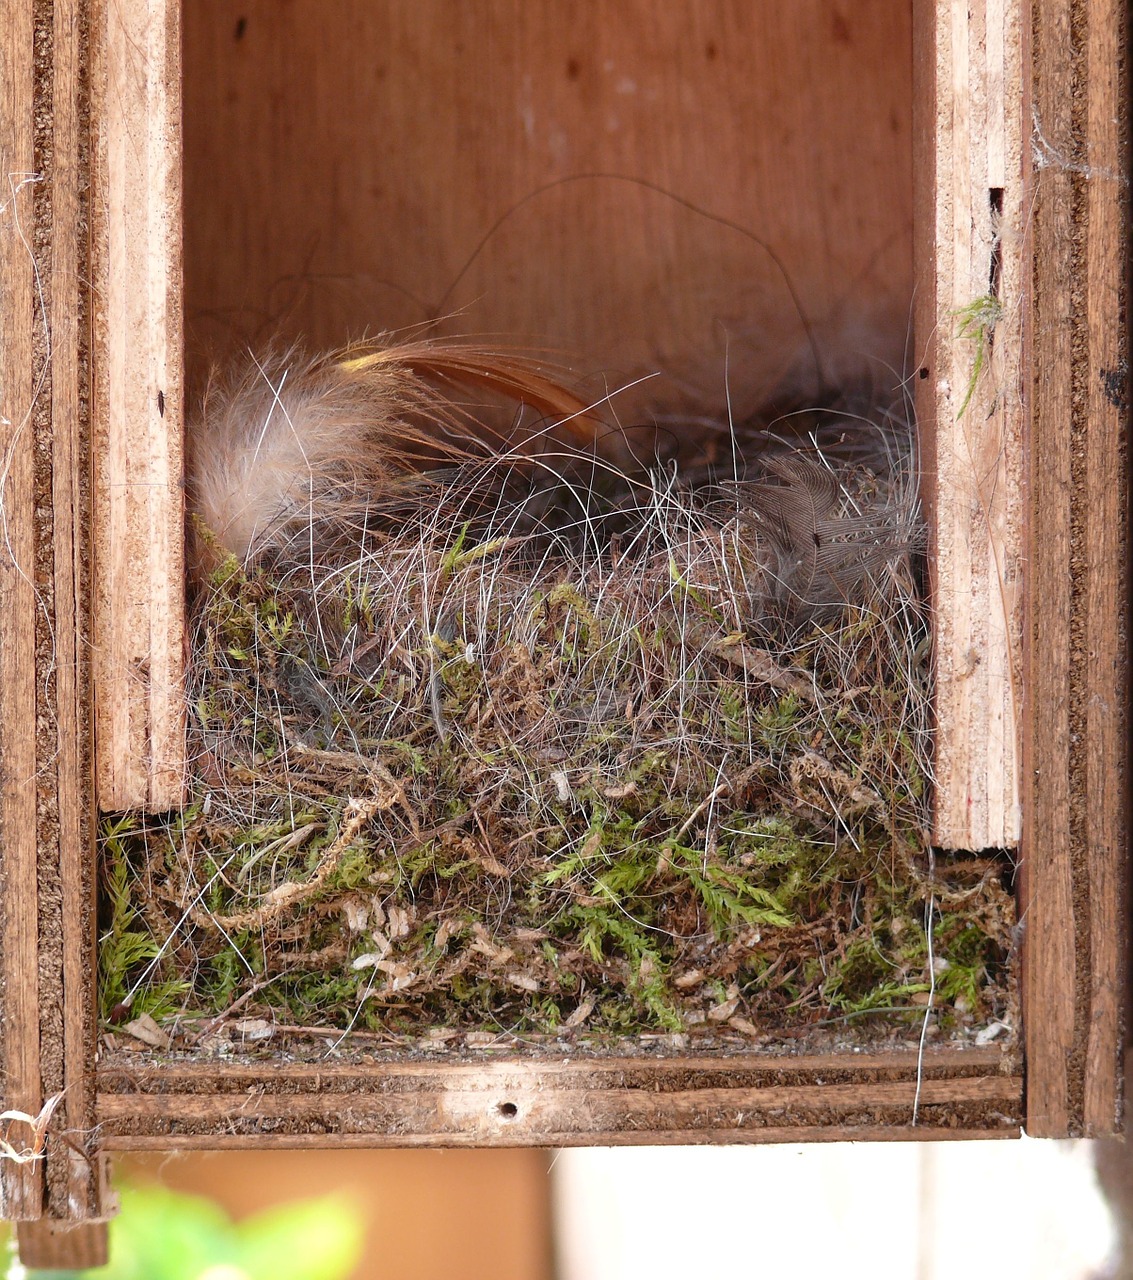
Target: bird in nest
299,459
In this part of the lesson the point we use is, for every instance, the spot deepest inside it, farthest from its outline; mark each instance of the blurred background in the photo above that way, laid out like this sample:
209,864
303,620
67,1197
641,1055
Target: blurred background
921,1211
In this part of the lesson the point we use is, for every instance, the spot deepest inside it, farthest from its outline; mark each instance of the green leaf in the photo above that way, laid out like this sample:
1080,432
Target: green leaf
162,1235
312,1240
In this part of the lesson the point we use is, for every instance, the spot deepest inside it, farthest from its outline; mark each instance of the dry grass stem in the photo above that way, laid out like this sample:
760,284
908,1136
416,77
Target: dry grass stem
523,741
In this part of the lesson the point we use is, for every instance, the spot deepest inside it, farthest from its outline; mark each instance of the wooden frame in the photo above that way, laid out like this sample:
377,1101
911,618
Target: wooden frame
1074,888
49,1027
971,403
138,622
91,395
592,1101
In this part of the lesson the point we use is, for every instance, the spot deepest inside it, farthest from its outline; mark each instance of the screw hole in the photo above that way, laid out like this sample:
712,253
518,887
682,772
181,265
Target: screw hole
508,1110
922,373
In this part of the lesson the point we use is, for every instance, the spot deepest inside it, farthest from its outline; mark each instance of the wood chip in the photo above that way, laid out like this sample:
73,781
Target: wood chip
145,1029
723,1012
727,1007
400,921
400,975
253,1029
480,1039
441,1035
356,913
758,664
581,1013
689,979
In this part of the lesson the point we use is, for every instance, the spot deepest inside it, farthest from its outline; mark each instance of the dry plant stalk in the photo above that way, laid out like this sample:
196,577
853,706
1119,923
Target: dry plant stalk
496,733
33,1147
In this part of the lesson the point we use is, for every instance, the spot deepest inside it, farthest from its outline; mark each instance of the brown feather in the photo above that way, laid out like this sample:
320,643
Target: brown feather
296,444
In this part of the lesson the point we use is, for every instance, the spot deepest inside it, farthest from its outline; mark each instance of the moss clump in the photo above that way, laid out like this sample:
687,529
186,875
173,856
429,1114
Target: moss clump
592,778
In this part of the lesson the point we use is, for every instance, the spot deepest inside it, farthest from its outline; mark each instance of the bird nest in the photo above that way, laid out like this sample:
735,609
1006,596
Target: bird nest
557,748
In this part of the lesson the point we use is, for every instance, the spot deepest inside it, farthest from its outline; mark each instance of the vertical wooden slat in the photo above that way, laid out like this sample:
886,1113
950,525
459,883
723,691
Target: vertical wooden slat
1076,773
47,854
1047,882
77,1186
971,404
1054,257
1107,726
139,614
21,339
925,183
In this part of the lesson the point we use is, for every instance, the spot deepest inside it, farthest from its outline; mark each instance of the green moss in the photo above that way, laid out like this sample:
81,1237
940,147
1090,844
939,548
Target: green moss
132,978
977,323
617,825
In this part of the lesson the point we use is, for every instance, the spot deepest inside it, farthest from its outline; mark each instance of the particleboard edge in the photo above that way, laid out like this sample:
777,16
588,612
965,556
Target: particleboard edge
1073,884
164,1103
75,1173
20,362
45,794
138,604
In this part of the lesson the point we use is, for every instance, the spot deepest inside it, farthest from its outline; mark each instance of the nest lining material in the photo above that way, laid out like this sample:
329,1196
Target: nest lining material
532,743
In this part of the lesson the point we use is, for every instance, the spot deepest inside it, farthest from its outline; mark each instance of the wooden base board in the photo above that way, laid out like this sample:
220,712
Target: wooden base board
149,1102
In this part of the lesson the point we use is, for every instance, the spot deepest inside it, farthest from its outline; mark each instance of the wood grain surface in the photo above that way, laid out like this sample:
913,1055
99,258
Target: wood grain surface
45,781
1107,536
21,367
730,1098
632,186
74,1171
139,591
971,407
1073,887
305,218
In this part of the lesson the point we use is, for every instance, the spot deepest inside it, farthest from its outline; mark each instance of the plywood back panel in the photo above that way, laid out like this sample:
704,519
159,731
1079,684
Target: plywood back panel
643,186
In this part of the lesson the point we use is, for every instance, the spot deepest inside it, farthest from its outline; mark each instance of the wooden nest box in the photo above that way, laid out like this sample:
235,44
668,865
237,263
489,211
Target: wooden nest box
639,186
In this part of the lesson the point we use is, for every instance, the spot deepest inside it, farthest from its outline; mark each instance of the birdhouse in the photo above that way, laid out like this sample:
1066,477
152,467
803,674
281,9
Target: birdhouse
727,192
